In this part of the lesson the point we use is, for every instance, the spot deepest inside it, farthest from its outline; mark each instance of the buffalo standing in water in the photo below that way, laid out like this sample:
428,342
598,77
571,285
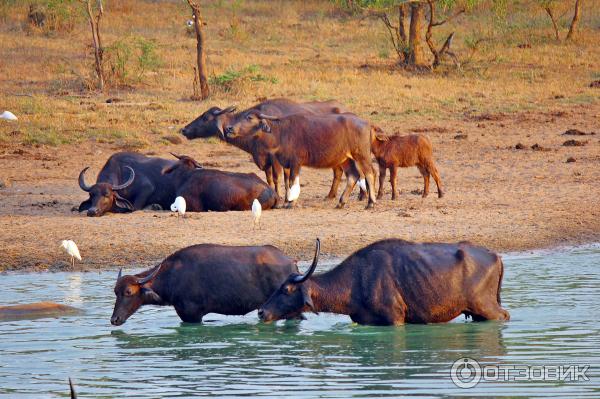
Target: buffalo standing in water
393,282
203,279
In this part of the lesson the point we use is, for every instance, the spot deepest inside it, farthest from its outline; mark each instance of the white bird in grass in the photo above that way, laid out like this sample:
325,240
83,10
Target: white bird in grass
256,212
71,249
179,206
294,191
362,184
9,116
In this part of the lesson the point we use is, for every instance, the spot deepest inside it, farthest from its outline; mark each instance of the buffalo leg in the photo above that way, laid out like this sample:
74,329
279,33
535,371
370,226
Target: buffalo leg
394,181
352,176
191,314
337,177
489,311
269,176
425,174
294,173
436,176
276,171
382,172
366,167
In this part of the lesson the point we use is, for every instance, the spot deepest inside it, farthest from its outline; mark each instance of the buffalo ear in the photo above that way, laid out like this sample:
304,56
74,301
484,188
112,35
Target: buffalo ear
168,169
308,300
150,296
123,203
264,126
85,205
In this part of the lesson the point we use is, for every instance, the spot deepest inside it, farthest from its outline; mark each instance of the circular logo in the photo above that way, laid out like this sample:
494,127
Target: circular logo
465,373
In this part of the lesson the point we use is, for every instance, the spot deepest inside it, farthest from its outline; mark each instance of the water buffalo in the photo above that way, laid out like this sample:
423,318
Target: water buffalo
393,282
203,279
36,311
402,152
214,190
128,182
212,122
319,141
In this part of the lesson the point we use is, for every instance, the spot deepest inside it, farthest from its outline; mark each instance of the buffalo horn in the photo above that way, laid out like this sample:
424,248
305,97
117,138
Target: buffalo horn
128,182
144,280
311,269
82,184
268,117
120,273
228,110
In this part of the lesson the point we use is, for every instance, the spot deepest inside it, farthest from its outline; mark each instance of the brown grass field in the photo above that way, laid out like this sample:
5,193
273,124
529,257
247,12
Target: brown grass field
517,86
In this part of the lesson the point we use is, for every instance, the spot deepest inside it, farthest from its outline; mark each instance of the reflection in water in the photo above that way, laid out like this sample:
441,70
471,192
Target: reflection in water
551,297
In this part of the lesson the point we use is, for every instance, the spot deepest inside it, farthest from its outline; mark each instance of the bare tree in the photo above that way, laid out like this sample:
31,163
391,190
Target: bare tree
575,20
548,10
200,51
445,49
94,19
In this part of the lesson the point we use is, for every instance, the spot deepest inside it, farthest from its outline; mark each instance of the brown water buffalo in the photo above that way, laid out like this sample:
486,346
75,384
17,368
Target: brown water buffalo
393,282
214,190
319,141
203,279
402,152
36,310
128,182
211,123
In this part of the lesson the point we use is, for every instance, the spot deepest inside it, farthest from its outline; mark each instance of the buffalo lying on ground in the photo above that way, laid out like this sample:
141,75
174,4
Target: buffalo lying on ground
393,282
214,190
128,182
319,141
203,279
402,152
212,122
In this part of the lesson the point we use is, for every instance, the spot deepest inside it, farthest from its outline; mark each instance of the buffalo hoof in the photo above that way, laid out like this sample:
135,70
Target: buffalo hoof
329,198
440,194
370,205
291,205
425,195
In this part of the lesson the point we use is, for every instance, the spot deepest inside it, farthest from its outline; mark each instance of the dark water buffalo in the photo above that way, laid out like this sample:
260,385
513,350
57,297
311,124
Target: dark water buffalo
318,141
128,182
214,190
393,282
36,310
212,122
203,279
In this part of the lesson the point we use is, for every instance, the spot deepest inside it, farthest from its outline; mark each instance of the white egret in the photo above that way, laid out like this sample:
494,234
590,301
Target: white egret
189,23
362,183
179,206
294,191
71,249
256,212
8,116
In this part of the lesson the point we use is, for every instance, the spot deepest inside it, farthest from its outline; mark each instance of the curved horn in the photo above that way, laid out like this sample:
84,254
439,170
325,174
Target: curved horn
311,269
82,184
120,274
268,117
227,110
175,155
128,182
144,280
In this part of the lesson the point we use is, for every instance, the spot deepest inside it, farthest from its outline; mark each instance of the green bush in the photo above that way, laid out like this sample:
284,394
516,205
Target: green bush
127,60
231,77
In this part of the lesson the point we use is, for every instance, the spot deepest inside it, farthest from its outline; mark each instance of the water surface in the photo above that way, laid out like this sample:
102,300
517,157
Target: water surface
553,298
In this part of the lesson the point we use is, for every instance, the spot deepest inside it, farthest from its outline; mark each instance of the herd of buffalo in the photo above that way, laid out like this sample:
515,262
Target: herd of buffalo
389,282
282,136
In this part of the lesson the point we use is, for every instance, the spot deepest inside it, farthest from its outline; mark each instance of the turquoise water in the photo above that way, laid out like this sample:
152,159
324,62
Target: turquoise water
553,298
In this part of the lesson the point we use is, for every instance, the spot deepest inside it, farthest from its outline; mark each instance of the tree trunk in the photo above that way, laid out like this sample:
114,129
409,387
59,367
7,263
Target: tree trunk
200,50
554,24
575,20
97,42
415,40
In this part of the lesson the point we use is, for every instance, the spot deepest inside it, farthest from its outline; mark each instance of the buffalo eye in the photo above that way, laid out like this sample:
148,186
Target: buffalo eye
249,117
289,288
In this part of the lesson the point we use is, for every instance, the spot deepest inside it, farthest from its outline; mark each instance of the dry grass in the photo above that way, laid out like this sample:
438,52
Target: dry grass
305,50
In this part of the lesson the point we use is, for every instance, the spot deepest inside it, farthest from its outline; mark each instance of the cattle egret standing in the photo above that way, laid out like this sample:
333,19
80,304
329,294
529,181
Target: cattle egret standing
256,212
71,249
8,116
294,191
362,184
179,206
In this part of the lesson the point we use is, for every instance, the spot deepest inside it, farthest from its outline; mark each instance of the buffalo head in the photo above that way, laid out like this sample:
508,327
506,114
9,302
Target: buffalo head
133,292
210,123
249,123
105,197
293,297
184,163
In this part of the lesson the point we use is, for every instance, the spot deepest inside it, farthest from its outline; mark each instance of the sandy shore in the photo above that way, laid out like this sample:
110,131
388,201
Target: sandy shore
496,195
